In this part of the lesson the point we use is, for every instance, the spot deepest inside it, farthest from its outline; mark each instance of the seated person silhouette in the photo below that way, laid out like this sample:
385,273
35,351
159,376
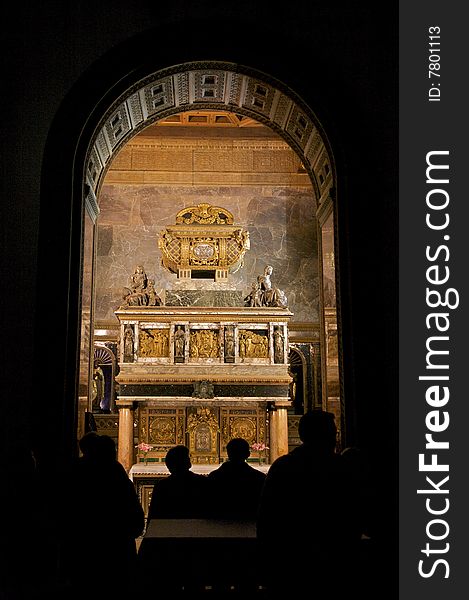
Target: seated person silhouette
235,487
101,521
308,510
182,495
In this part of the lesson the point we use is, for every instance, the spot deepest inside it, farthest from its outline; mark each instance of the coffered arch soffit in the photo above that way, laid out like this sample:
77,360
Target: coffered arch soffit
212,86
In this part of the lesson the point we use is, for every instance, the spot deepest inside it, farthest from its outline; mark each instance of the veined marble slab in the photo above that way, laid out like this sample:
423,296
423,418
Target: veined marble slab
204,298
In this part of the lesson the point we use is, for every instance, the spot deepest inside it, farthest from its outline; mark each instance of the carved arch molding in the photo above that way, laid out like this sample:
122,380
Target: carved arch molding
211,86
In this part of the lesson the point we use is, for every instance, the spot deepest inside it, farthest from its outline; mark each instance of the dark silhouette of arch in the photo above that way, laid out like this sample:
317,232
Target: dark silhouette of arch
341,59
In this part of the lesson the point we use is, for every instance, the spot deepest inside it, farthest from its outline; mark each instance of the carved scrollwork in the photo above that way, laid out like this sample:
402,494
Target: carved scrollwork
204,214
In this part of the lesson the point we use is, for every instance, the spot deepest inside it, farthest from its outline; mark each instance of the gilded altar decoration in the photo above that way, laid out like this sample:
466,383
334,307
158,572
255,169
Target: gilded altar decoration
246,423
204,238
204,214
202,415
141,290
162,430
203,389
244,427
204,343
154,343
264,293
252,344
203,429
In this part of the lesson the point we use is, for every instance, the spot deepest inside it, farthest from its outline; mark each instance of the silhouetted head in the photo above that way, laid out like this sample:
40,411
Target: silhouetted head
98,447
107,448
238,450
178,459
88,444
317,428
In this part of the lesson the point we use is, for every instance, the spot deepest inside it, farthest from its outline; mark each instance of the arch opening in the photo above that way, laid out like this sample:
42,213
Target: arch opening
186,94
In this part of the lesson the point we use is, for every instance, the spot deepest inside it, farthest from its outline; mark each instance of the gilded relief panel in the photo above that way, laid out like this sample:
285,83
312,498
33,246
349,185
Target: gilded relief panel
154,343
204,343
250,424
244,427
253,344
162,428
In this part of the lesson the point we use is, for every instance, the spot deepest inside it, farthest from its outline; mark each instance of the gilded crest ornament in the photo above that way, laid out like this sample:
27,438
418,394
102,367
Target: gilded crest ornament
204,238
203,389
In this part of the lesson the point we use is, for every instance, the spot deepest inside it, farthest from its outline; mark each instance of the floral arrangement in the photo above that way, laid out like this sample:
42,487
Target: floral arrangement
259,446
144,448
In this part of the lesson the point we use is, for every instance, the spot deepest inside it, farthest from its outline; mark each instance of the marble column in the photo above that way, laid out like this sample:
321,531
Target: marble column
125,452
279,429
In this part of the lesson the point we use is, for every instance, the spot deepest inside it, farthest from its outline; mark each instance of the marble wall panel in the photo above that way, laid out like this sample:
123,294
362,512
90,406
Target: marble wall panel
280,221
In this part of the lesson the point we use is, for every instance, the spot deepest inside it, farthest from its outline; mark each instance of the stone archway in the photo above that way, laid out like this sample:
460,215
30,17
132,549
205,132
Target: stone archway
211,86
214,86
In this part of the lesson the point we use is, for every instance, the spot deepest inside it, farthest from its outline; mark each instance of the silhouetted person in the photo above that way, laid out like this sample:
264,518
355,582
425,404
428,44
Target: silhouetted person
307,516
102,518
235,487
181,495
89,444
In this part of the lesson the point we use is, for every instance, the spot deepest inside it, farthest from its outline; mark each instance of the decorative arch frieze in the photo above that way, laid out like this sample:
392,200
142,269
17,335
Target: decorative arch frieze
213,86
